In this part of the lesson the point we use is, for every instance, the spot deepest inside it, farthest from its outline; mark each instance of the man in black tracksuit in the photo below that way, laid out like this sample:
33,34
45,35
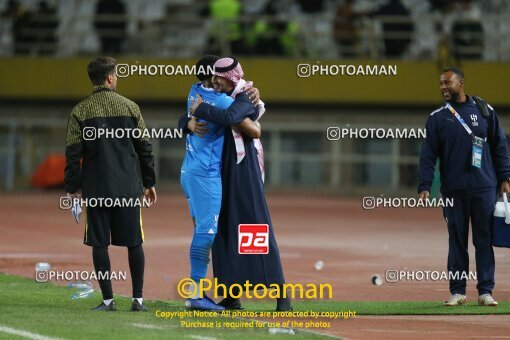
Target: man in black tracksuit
113,168
473,162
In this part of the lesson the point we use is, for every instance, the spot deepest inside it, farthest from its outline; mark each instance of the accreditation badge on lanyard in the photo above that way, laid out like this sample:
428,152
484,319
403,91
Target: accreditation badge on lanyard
477,147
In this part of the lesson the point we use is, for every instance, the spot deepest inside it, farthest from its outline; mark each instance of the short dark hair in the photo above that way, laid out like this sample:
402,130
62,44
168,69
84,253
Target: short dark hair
455,70
204,65
99,68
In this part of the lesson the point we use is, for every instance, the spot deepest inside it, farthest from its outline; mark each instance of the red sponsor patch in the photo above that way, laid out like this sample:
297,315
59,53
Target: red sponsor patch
253,239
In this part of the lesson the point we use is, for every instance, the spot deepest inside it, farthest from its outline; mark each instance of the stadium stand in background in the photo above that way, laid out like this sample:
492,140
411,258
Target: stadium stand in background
45,46
406,29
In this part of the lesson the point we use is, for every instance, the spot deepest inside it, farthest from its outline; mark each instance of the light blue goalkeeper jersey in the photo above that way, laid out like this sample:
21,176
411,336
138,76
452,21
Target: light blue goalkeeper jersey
203,155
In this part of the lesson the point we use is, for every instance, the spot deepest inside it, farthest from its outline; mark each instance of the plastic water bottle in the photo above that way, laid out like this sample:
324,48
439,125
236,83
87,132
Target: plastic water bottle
85,285
274,331
85,290
42,266
82,294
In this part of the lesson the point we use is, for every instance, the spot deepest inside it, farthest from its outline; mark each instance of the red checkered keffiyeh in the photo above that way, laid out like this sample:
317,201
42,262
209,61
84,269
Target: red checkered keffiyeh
229,68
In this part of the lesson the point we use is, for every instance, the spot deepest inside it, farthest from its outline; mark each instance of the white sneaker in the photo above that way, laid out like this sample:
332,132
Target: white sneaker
456,300
486,300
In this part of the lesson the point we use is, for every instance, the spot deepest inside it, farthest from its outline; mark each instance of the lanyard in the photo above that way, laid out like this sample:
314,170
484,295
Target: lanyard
459,118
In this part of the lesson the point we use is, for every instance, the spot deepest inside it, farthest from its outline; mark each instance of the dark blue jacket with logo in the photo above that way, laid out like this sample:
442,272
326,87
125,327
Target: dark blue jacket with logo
450,142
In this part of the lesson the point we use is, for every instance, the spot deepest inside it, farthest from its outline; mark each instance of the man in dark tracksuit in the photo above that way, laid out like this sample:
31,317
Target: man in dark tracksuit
113,168
471,169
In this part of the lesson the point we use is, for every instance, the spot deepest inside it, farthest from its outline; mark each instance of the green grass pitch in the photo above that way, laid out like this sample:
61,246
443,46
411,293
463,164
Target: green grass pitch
47,309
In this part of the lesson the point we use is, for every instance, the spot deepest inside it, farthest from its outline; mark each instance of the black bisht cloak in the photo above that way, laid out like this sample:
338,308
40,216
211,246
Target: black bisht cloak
243,202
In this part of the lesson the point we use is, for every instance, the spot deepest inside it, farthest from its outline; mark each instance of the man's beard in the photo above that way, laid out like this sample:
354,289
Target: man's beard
454,96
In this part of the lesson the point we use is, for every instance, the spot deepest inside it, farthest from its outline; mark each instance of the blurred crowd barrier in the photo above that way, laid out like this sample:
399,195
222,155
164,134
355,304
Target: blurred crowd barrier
350,29
298,154
286,81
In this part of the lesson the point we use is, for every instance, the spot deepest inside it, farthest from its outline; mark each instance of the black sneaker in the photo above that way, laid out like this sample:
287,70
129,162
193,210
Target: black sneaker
112,307
284,305
137,307
231,304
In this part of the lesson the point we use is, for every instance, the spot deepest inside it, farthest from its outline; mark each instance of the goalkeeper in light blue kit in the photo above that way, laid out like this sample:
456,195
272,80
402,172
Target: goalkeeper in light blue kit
201,174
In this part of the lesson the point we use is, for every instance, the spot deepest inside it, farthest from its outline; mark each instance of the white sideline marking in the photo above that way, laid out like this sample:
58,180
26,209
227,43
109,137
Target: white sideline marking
23,333
198,337
149,326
